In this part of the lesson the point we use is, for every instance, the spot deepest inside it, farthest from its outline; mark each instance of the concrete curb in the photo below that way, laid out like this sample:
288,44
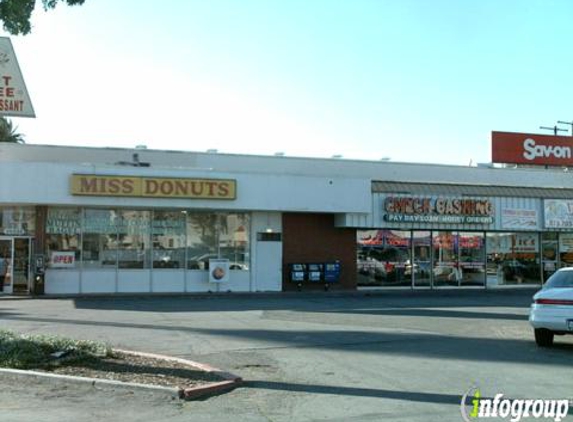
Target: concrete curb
230,381
94,382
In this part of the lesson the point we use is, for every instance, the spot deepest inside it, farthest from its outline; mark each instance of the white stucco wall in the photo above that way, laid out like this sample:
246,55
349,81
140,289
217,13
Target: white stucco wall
49,184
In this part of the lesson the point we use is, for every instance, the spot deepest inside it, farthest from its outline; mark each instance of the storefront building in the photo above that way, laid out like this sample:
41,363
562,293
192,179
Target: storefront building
459,235
116,221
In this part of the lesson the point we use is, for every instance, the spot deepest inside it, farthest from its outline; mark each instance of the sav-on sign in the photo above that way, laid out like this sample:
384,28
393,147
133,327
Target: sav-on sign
526,148
533,151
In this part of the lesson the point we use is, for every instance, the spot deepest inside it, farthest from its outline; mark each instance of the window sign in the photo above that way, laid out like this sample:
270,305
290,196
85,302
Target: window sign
17,221
218,270
62,259
514,243
558,213
566,242
63,221
518,219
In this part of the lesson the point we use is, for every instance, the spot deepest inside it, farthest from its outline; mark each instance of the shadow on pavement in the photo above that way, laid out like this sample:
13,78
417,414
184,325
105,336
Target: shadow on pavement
355,391
414,396
418,344
327,302
435,313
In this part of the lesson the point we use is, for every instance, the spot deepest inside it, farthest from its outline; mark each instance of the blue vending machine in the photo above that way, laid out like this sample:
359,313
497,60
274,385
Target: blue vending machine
331,273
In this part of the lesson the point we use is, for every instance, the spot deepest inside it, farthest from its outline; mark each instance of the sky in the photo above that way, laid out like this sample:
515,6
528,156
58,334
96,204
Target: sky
406,80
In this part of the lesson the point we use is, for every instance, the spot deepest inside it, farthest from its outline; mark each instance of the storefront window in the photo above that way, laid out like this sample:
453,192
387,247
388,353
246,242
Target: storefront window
446,270
213,236
201,240
384,258
471,248
566,249
168,239
512,258
63,227
17,221
422,241
549,257
134,239
234,240
99,240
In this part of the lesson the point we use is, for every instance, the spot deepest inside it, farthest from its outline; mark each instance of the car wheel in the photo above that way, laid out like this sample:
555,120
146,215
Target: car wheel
543,337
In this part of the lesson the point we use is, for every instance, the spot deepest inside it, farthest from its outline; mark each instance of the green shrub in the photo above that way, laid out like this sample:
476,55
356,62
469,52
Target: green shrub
24,351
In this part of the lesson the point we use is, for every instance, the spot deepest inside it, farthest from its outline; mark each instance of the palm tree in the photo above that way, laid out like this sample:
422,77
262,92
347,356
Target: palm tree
8,132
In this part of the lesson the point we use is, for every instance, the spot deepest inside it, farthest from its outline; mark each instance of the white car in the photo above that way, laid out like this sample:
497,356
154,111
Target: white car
552,309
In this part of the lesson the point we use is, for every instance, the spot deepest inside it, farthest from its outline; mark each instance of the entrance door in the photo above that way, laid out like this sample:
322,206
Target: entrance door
549,255
422,268
6,260
446,265
21,267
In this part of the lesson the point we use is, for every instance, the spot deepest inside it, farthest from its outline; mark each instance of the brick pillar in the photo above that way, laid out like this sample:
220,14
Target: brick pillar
313,238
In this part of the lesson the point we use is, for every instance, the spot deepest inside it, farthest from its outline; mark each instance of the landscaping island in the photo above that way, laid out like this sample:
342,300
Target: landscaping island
90,359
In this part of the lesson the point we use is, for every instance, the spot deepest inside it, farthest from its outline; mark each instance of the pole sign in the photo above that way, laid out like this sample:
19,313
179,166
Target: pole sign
14,98
529,148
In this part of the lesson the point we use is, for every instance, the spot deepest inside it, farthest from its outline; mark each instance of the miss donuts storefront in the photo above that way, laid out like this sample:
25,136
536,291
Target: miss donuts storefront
119,221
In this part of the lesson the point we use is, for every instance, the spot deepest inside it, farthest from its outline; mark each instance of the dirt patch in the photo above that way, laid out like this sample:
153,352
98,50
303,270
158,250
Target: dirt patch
138,369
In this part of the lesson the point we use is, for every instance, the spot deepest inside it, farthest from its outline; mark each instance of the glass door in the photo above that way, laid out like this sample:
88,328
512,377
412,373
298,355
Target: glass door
471,247
21,267
446,269
6,260
422,267
549,255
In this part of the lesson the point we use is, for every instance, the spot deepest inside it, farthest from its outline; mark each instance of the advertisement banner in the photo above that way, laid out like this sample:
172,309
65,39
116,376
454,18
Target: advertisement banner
518,219
218,270
558,213
62,259
529,148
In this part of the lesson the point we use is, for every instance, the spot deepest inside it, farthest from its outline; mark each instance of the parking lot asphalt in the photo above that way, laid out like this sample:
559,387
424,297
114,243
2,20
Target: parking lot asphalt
399,356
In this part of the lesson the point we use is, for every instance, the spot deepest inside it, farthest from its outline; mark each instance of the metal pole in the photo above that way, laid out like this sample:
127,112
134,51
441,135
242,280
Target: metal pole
566,123
555,129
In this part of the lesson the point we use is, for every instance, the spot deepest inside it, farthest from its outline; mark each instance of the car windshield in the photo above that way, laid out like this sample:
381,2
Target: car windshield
560,279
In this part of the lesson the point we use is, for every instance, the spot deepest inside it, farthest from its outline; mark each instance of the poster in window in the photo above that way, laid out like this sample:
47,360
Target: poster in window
518,219
558,213
218,270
